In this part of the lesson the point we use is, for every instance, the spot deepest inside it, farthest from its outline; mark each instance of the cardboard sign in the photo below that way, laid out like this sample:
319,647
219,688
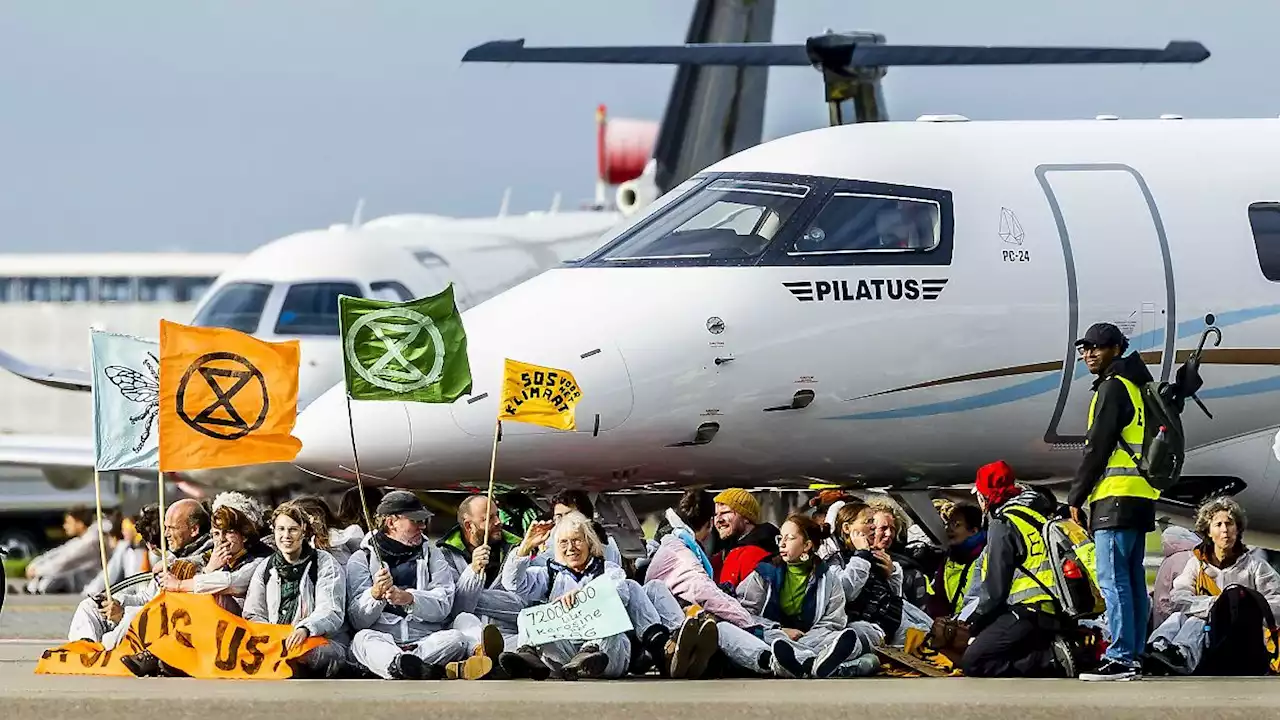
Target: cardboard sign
598,612
192,633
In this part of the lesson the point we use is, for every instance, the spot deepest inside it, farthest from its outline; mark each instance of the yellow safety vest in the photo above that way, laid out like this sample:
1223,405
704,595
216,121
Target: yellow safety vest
955,580
1121,478
1025,590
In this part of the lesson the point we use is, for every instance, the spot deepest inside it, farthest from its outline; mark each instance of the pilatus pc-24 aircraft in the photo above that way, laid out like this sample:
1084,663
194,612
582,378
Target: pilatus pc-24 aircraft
880,304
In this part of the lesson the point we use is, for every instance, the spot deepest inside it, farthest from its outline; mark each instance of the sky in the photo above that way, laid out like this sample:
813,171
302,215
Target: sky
218,125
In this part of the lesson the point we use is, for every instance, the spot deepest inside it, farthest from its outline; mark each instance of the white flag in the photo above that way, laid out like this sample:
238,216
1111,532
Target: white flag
126,401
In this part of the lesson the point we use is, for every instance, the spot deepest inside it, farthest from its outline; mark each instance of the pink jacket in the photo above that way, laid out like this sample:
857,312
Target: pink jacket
675,566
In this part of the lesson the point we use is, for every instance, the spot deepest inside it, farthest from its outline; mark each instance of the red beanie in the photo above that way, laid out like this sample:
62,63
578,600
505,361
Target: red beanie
995,482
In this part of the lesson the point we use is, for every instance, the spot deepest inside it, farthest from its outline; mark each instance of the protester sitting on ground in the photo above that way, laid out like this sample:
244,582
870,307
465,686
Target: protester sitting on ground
803,602
1015,626
567,501
743,542
238,549
302,586
871,580
960,574
890,536
476,548
1176,544
578,559
1224,581
73,564
403,611
186,526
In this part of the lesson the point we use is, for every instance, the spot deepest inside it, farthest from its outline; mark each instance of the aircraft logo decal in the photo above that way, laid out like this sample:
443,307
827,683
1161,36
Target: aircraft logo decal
392,371
875,289
139,388
1010,229
205,421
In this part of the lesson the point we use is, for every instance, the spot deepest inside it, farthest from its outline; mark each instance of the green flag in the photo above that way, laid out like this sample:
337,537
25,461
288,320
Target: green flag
414,351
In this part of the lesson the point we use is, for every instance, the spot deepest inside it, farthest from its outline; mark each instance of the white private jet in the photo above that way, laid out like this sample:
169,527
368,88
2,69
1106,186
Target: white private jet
880,304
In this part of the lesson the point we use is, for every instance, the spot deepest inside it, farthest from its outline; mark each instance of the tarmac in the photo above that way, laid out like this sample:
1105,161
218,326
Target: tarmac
29,625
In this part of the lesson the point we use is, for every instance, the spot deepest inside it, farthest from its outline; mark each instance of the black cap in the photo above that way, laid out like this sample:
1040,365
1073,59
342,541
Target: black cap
1103,335
403,503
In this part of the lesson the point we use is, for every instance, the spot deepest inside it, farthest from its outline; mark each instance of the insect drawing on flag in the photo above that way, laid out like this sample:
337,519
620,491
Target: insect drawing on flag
140,388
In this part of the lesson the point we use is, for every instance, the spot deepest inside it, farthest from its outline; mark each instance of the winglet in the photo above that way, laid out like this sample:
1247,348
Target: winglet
61,379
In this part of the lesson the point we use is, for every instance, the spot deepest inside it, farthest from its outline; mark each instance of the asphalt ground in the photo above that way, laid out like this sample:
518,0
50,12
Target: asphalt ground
29,625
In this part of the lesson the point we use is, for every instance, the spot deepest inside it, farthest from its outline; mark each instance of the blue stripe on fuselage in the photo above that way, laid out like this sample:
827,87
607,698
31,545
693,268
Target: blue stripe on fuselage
1051,381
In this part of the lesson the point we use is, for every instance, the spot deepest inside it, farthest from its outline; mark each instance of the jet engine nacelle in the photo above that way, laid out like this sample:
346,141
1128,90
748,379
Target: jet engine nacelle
66,478
634,195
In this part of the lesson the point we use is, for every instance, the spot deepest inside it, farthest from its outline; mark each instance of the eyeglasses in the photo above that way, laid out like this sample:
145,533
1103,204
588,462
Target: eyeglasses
1083,350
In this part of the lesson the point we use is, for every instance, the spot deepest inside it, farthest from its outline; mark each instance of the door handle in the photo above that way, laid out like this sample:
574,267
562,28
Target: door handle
723,360
801,400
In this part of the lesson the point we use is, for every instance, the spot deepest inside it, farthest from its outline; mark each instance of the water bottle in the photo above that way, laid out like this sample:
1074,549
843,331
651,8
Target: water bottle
1158,450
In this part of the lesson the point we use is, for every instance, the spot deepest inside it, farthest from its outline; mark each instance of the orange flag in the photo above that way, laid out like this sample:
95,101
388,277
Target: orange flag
226,398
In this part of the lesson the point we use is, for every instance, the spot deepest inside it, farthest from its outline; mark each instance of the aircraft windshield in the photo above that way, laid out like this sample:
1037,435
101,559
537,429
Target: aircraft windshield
312,308
726,219
235,305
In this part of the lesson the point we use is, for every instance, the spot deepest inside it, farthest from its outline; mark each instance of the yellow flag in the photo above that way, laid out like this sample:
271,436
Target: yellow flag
539,395
226,398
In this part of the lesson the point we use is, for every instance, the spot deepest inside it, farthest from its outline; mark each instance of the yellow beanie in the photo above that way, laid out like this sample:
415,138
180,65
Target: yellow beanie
741,502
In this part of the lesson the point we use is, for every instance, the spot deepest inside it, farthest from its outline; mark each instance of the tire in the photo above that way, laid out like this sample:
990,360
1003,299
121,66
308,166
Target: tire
19,544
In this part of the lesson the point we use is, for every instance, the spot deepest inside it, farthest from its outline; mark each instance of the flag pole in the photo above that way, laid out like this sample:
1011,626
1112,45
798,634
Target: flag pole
364,504
164,541
102,535
493,466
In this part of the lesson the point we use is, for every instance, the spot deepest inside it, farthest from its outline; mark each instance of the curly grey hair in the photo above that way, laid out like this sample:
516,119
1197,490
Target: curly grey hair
1204,516
577,523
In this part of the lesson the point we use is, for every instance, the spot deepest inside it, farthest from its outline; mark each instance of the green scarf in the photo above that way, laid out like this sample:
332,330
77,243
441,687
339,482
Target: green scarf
290,578
795,581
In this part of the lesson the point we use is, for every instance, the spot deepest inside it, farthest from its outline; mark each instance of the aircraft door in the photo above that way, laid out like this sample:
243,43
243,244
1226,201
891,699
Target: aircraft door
1118,270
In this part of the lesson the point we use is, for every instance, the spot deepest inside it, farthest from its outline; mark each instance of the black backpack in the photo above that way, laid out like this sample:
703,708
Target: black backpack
1241,632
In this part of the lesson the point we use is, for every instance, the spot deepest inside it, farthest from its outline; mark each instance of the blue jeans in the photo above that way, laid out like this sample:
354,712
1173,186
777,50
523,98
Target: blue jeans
1124,589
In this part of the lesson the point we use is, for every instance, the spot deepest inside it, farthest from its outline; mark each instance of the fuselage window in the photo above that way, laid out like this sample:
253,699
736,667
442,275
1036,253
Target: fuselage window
312,308
860,223
1264,218
389,290
237,306
725,220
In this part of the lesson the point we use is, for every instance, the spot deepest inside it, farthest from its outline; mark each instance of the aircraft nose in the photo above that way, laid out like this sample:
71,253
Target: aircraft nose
381,435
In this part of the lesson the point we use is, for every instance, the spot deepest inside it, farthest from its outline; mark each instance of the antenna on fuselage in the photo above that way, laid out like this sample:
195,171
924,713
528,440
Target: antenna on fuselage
555,203
357,217
506,202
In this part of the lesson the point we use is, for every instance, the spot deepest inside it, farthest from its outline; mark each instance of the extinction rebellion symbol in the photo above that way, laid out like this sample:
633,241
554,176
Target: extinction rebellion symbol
395,329
229,376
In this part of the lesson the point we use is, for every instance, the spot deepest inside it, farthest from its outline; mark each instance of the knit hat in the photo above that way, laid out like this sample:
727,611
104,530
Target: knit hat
995,482
741,502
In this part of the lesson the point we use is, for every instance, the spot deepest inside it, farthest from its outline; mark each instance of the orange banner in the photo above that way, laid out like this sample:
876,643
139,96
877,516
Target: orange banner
192,633
226,398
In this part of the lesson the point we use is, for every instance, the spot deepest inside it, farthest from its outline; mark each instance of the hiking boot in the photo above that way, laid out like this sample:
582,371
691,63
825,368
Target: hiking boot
680,650
473,668
491,643
589,663
142,664
783,661
1111,671
835,653
525,662
706,647
1062,656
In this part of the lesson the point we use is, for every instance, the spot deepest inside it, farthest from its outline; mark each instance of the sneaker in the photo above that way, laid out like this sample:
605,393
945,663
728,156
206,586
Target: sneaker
863,666
681,649
1165,660
588,663
142,664
705,649
835,653
784,662
1111,671
407,666
473,668
1062,655
525,662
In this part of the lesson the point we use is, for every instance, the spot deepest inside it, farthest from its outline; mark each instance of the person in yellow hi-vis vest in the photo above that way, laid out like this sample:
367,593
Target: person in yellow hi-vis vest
1121,504
1015,625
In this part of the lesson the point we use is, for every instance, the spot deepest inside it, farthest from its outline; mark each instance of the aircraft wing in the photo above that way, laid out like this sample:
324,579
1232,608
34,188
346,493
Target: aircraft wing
47,451
63,379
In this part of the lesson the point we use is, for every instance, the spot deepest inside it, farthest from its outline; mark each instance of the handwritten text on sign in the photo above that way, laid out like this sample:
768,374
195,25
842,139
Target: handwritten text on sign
597,613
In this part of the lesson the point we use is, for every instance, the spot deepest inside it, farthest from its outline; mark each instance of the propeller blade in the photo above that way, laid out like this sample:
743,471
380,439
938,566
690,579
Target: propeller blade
833,52
734,54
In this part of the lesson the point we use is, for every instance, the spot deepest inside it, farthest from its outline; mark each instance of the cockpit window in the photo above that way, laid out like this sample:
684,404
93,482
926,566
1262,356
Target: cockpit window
727,219
237,306
312,308
862,223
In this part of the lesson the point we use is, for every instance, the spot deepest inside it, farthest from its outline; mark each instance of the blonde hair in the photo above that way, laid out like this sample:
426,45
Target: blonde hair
900,521
311,528
576,522
1204,516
